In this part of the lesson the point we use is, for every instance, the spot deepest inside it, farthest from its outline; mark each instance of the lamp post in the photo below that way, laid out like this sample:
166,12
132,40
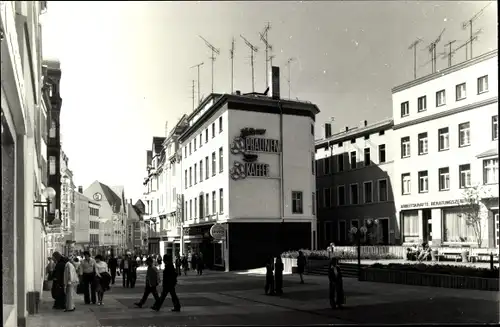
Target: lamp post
358,233
49,194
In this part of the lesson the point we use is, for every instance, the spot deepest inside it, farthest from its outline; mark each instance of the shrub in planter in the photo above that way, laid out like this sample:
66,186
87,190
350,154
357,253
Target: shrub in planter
341,255
441,269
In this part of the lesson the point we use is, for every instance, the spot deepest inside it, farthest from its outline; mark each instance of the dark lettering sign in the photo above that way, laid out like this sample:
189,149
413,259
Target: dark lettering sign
433,204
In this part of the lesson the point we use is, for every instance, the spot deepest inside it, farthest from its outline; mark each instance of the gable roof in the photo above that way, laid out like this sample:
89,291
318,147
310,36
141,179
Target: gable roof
158,144
132,212
113,199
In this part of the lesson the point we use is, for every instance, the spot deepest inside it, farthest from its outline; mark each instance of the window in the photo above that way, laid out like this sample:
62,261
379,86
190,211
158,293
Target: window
490,171
354,194
406,183
213,130
381,153
422,103
190,176
443,139
353,160
220,124
423,145
405,109
201,171
52,165
368,192
314,203
440,98
444,179
195,175
185,177
353,141
195,207
52,129
367,136
190,148
185,152
313,163
383,190
214,203
206,135
340,162
206,168
464,175
460,92
367,157
341,195
221,202
207,205
185,210
494,128
327,197
312,129
327,163
194,144
482,84
213,164
190,209
410,226
381,133
201,140
297,202
455,228
423,182
405,147
464,134
221,160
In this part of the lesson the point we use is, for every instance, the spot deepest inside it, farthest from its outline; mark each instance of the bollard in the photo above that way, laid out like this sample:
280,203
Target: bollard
491,261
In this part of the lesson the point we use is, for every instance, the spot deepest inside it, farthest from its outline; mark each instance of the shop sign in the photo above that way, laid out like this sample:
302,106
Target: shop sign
248,145
218,232
433,204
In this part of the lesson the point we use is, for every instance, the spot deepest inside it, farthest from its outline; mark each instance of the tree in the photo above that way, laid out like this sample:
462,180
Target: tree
471,210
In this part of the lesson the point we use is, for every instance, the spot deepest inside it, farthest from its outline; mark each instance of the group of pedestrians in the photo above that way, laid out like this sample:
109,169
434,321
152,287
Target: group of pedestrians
188,262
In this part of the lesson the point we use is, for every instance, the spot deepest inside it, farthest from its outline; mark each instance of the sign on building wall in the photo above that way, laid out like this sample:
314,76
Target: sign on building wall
180,206
433,204
248,145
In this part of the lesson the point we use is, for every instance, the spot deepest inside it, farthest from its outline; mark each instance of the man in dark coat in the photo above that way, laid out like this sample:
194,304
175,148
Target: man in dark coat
125,270
151,284
169,282
112,266
337,298
58,292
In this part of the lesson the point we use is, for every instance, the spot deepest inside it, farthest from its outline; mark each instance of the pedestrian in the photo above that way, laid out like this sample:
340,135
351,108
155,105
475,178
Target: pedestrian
70,283
112,265
269,288
125,271
301,265
58,287
76,263
178,264
87,273
151,284
133,273
169,282
102,278
199,264
278,275
185,264
337,298
159,261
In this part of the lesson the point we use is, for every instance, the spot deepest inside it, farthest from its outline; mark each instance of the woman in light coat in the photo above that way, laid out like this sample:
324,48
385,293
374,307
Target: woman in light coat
70,283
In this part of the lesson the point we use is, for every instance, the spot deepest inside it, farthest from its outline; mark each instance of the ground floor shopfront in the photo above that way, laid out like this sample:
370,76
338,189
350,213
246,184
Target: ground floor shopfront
444,223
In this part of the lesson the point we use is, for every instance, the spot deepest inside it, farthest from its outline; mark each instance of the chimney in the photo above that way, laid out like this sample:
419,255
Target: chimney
366,123
328,130
275,82
238,92
130,200
347,128
80,189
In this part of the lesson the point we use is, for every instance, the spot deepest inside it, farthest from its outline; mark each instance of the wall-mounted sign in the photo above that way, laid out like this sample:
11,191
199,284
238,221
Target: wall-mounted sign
248,145
433,204
218,232
180,207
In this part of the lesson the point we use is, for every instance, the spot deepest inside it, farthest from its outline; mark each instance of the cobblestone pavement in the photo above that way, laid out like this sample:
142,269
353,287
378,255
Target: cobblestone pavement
218,298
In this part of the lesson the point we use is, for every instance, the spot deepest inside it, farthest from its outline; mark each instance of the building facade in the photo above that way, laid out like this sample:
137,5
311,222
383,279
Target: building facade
86,228
67,212
354,169
136,229
446,126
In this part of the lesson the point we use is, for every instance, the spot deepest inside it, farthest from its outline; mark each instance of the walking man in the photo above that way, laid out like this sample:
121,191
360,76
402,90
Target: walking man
169,282
58,291
87,271
125,270
112,266
151,283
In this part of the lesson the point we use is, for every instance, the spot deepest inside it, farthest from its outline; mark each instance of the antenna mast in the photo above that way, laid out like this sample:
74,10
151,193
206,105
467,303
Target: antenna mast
231,54
252,50
450,52
215,51
468,23
414,47
475,37
263,38
198,67
192,92
288,63
432,50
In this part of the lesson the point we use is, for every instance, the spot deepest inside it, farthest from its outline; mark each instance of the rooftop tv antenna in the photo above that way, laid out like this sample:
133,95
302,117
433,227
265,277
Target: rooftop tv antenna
450,52
192,92
253,49
215,51
289,79
231,54
263,38
198,67
432,50
414,47
469,23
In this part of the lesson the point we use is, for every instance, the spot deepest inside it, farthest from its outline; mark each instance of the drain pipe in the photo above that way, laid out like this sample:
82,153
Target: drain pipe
282,195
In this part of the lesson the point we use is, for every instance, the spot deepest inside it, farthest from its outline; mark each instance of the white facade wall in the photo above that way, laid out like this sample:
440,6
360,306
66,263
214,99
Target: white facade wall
476,109
82,218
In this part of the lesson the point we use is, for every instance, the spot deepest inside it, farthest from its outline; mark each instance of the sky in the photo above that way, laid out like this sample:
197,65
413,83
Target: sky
126,65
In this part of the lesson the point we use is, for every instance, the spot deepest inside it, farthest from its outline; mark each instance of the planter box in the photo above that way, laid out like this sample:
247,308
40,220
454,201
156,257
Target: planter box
423,279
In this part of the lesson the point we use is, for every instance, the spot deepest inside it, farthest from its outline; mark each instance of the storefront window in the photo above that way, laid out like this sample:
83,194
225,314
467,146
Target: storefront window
455,227
410,226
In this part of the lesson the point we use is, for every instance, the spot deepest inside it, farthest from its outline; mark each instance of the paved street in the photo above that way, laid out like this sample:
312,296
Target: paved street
219,298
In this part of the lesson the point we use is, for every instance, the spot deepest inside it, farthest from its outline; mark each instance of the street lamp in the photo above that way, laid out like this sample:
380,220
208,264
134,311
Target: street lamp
49,194
358,233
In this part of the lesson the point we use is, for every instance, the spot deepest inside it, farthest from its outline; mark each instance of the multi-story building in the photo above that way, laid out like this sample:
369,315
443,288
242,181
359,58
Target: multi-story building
247,163
136,229
112,216
353,184
86,228
26,214
446,125
67,212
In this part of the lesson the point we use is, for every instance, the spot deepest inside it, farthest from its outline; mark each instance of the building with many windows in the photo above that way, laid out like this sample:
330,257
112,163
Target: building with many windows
86,229
446,125
354,168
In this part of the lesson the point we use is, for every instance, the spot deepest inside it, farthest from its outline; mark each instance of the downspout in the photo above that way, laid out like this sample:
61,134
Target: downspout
282,188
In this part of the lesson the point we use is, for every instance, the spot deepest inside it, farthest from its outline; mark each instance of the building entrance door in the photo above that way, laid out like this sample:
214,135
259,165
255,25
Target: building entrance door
427,225
384,231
